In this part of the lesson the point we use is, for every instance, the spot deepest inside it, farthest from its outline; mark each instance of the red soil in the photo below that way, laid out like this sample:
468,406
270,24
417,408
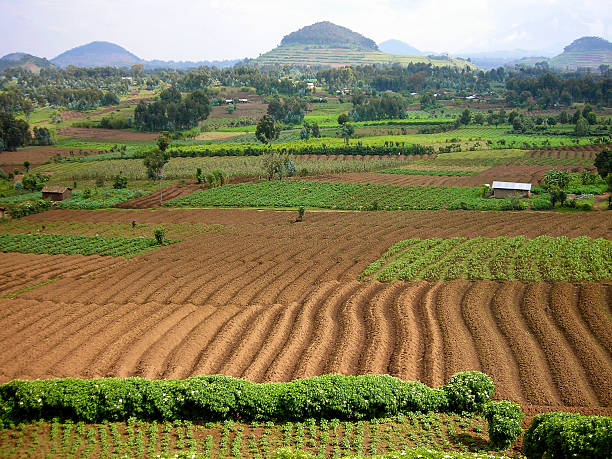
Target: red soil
268,299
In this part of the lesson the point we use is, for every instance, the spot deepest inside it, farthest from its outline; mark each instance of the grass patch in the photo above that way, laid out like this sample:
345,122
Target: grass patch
543,258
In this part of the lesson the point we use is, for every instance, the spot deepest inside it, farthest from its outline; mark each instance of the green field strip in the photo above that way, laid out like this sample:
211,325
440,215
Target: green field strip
61,244
543,258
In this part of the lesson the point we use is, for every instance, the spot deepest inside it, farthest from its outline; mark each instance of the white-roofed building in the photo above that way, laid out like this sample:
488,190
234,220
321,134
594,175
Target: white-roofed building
506,189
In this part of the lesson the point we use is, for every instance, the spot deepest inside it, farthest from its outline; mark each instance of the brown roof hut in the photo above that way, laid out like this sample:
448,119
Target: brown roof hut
56,193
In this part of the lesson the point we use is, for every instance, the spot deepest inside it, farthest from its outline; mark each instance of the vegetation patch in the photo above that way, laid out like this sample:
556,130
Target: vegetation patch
437,173
344,196
55,244
543,258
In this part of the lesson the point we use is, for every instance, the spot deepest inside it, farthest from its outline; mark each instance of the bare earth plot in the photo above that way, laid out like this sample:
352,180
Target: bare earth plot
269,300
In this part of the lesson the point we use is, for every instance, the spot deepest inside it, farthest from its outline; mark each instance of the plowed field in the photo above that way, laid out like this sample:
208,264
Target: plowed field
268,299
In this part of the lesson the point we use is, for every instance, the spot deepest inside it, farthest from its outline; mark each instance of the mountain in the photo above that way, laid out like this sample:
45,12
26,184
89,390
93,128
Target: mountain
328,45
26,61
399,47
97,54
493,59
586,52
328,34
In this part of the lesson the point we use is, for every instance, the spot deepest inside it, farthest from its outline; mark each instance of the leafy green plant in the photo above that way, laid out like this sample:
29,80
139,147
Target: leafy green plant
159,234
469,391
504,419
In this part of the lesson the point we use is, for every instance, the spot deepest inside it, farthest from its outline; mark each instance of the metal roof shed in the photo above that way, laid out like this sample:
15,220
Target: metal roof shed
506,189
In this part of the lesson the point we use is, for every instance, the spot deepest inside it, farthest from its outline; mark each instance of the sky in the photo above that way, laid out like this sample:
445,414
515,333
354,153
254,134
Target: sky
234,29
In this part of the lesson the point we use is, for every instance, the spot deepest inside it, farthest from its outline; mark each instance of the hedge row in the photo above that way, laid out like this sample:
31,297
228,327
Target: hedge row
559,434
193,151
23,209
217,398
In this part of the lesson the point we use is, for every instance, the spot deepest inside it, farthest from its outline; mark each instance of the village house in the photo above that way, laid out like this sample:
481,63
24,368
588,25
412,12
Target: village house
56,193
507,189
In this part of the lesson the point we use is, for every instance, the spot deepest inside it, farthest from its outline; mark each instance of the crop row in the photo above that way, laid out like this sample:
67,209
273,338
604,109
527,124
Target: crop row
437,173
543,258
259,439
55,244
346,196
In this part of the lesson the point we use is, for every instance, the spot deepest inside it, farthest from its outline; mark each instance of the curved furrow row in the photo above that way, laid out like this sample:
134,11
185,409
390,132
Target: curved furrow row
73,337
199,273
42,335
381,330
182,361
275,337
537,383
432,359
564,366
348,345
226,340
458,346
222,275
285,364
591,304
406,358
597,365
318,347
108,343
251,342
492,348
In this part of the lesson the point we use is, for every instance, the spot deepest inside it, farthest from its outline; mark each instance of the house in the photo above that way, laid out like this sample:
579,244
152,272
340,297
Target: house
506,189
3,213
243,101
56,193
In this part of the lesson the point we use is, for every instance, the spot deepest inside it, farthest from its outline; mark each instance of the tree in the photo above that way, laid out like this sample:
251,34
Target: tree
343,118
603,163
347,131
26,164
563,117
27,107
266,130
162,142
466,117
315,131
582,127
479,118
555,178
155,161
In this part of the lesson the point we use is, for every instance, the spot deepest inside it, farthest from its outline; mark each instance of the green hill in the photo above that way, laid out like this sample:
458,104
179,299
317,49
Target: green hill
586,52
32,63
327,56
327,34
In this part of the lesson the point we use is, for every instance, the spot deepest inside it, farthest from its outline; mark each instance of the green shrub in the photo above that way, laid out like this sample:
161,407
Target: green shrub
22,209
541,203
468,391
504,419
560,435
159,234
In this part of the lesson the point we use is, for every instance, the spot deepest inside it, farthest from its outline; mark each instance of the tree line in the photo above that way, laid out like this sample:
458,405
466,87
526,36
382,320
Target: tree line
172,111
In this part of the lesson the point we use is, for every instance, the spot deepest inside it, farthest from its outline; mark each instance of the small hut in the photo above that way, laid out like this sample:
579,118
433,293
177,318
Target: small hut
507,189
56,193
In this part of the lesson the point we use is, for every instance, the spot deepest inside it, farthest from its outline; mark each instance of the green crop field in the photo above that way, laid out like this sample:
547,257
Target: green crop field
438,173
55,244
501,258
435,436
342,196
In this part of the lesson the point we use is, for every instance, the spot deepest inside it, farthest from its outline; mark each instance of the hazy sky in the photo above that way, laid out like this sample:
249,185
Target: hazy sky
226,29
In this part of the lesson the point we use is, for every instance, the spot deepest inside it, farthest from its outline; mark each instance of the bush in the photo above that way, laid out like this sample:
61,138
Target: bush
159,234
541,203
504,419
120,182
568,435
216,398
468,391
22,209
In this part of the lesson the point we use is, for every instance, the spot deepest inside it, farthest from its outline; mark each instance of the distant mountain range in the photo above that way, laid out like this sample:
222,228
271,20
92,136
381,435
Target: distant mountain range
100,54
326,44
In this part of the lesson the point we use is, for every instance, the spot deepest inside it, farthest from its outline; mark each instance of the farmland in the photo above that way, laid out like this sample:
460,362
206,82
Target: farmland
373,265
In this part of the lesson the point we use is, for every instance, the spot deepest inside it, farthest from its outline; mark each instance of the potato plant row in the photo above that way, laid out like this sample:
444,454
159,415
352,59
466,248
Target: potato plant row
333,438
543,258
437,173
344,196
56,244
